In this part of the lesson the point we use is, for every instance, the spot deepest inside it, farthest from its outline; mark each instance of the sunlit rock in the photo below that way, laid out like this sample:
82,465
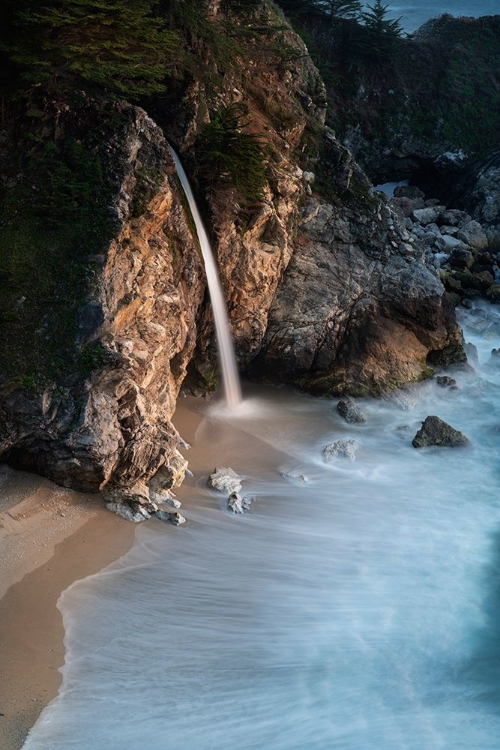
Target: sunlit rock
224,479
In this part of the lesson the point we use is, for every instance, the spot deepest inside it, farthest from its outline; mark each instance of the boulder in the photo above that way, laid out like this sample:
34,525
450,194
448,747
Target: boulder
445,381
493,293
341,449
224,479
170,516
238,504
453,217
435,431
127,512
428,215
473,235
460,257
472,353
351,412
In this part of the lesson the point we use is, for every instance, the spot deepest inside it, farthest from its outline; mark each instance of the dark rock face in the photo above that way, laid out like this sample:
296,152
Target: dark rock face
356,312
445,381
435,431
351,412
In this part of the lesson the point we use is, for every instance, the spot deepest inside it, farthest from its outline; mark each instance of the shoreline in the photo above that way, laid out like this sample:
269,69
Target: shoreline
50,537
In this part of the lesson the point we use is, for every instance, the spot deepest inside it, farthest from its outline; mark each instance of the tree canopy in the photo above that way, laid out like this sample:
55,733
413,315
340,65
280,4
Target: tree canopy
120,45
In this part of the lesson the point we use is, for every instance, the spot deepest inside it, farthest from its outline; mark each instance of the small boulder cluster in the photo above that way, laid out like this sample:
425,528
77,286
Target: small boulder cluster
223,479
457,247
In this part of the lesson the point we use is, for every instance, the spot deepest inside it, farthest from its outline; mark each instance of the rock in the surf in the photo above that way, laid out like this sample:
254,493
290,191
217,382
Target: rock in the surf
435,431
224,479
171,516
445,381
341,449
351,412
238,504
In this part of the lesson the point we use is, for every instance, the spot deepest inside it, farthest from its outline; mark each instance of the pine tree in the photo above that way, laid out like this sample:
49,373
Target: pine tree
228,155
119,45
340,8
380,32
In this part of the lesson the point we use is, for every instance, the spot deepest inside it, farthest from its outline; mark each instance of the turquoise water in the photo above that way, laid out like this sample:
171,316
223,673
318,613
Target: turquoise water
414,13
355,609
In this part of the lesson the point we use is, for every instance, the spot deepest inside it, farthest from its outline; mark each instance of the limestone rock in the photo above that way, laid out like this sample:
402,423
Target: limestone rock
435,431
351,412
125,511
341,449
238,504
170,516
224,479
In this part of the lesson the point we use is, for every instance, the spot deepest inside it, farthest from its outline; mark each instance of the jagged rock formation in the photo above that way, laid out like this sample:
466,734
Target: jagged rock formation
112,430
325,286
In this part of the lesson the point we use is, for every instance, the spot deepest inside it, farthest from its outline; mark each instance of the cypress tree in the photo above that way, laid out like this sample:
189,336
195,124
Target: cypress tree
380,32
118,45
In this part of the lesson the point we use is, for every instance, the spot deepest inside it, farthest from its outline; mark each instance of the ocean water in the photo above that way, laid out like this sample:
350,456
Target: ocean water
356,607
414,13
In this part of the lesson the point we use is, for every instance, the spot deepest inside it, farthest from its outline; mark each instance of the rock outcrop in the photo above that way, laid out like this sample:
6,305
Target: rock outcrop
435,431
111,430
357,312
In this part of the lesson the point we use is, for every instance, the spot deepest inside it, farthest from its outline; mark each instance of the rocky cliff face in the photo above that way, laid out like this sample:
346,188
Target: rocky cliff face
326,289
113,429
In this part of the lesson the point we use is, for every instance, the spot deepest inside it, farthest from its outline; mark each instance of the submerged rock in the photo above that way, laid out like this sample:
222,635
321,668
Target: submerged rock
341,449
351,412
224,479
238,504
293,477
171,516
445,381
435,431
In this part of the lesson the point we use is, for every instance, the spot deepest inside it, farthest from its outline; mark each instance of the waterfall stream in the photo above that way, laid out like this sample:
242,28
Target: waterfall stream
227,359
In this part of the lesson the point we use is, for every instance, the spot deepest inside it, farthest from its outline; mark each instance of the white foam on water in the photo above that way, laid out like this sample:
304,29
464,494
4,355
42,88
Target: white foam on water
355,610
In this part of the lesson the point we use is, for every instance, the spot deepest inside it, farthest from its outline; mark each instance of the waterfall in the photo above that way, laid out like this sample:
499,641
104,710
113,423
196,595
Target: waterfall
230,378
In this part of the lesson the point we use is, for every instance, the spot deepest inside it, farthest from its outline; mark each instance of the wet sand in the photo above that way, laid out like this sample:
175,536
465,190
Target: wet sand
49,538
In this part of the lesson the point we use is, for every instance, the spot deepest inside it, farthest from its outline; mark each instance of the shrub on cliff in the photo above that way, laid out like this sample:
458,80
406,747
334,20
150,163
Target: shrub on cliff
228,155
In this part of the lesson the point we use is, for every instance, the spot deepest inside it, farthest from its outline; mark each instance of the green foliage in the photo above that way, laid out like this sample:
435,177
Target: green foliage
227,155
340,8
118,45
92,357
54,221
380,32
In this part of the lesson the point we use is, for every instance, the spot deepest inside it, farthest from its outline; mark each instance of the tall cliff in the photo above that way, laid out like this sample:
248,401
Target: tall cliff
101,321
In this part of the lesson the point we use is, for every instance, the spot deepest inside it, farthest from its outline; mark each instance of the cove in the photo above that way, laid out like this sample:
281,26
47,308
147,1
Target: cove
355,607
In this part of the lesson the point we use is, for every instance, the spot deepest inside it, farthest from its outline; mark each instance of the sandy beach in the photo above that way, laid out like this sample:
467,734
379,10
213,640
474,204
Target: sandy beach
49,538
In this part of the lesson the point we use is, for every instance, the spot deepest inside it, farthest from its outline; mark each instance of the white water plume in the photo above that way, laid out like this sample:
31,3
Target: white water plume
227,359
